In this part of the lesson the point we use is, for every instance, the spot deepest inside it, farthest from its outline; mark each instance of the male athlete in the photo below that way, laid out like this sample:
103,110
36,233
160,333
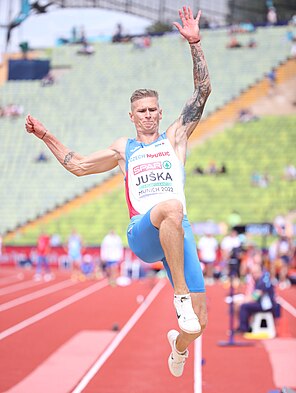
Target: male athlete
153,166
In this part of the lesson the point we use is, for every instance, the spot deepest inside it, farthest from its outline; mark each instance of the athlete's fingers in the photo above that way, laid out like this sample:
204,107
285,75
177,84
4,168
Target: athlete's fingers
185,12
182,17
198,16
190,13
178,26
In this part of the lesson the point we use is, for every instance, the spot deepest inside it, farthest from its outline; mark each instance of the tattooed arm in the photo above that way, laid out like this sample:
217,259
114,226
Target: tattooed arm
183,127
194,107
101,161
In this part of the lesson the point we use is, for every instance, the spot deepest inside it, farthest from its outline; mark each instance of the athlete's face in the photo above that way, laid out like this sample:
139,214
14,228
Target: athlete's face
146,114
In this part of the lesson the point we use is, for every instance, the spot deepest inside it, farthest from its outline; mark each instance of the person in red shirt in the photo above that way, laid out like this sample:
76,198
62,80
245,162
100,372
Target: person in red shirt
43,248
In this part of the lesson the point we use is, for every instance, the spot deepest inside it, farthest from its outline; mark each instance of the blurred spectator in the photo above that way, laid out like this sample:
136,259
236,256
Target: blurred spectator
207,247
74,34
292,21
233,43
290,36
279,224
271,77
246,27
43,249
265,180
111,255
74,251
223,169
41,157
290,172
261,299
229,243
252,256
82,39
260,180
199,170
255,179
55,240
284,251
142,42
47,80
86,49
212,168
11,110
117,36
271,16
245,116
252,43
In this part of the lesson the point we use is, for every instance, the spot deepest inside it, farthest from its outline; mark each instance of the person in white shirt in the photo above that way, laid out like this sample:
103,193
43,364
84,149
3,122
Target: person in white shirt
111,254
207,247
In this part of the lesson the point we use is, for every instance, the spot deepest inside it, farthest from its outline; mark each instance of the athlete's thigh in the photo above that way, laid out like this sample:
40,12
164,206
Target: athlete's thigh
143,239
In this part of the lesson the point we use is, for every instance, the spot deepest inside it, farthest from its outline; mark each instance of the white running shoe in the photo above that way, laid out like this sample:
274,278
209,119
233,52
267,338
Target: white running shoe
187,319
176,361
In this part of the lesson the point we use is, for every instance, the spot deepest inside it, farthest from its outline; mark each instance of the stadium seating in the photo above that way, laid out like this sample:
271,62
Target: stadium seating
87,109
264,145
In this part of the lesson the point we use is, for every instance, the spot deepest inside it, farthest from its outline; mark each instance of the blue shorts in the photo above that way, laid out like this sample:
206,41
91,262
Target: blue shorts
143,239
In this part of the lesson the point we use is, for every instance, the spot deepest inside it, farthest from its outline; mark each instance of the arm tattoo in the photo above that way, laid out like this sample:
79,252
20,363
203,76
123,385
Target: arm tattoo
68,157
191,112
194,107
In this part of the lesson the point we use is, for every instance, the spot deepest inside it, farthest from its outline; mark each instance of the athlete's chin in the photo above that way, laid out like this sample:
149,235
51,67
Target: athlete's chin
150,128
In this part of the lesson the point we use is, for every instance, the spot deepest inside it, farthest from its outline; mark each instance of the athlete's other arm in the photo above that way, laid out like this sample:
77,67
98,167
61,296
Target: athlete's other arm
101,161
190,116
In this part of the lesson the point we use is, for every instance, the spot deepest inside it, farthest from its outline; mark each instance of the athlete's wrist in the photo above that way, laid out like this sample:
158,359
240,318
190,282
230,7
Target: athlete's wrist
194,41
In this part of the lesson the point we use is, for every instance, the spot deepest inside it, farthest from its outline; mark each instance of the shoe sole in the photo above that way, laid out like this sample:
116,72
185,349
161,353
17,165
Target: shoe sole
190,332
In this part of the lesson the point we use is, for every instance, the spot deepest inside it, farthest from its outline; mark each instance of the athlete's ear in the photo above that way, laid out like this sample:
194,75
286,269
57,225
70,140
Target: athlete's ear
131,116
160,114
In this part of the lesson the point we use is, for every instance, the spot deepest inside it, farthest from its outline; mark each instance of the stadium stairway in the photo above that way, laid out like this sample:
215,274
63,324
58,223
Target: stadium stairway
207,128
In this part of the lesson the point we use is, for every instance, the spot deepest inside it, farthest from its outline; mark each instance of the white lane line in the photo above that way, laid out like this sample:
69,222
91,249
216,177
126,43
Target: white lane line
36,295
120,336
19,287
287,306
198,365
51,310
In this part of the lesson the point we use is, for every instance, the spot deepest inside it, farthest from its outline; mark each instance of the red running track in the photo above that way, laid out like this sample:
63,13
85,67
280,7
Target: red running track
55,340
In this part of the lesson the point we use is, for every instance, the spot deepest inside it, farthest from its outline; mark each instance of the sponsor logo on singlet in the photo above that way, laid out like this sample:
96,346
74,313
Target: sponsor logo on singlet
150,166
160,154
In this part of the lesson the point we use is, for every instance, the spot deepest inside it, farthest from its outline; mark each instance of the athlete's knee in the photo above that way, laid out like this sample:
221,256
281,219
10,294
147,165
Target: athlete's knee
203,318
173,209
200,308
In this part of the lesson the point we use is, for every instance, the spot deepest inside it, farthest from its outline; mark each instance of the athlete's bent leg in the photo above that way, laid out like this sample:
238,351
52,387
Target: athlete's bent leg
167,217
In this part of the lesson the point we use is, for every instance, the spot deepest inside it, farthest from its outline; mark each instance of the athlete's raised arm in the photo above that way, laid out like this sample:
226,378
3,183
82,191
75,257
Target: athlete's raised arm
101,161
192,111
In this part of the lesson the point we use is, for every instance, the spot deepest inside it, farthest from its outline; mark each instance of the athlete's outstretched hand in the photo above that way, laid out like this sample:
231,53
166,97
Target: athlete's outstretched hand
190,28
34,126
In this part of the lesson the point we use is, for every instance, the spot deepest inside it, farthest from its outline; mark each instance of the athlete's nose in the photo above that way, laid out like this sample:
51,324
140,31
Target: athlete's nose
147,113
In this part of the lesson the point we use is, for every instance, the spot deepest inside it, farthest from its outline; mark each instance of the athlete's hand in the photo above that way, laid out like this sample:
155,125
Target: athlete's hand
190,28
34,126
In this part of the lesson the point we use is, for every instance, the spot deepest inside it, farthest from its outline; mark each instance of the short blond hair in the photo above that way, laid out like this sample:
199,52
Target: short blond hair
143,93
